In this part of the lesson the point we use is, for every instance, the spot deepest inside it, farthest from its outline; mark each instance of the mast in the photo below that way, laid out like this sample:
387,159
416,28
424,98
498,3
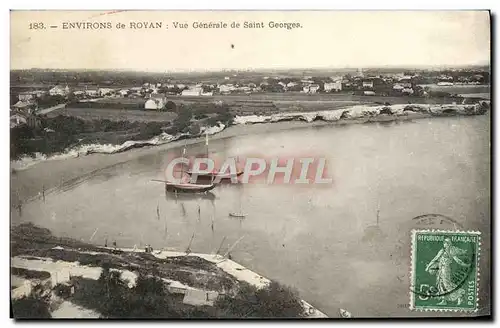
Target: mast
239,199
206,142
208,156
183,156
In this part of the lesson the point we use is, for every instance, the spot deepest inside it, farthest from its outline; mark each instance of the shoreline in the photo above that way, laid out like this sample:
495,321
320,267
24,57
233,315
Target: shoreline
50,175
58,259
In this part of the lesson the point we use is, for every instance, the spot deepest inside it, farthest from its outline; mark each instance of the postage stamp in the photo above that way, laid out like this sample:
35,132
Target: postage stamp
445,270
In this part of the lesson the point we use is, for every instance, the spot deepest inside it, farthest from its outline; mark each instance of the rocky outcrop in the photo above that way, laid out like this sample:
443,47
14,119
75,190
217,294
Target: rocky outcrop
366,113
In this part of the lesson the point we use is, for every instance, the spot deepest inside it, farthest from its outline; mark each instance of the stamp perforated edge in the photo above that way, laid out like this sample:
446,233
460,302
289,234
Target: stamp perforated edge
412,260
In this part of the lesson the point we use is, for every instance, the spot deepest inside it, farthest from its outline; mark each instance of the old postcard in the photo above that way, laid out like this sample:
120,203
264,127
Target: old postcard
250,164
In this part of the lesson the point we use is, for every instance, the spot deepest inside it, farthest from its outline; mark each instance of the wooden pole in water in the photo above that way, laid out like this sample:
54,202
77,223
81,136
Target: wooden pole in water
222,242
183,210
91,237
188,249
165,230
158,212
231,248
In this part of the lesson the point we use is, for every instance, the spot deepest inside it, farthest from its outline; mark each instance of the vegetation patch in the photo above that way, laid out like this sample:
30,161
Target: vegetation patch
34,306
150,297
57,134
30,274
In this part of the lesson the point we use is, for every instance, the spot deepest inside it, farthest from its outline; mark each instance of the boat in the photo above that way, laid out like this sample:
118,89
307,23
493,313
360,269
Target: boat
237,215
345,314
186,187
208,195
214,174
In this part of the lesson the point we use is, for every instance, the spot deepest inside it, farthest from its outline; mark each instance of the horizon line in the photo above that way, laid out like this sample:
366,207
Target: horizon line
215,70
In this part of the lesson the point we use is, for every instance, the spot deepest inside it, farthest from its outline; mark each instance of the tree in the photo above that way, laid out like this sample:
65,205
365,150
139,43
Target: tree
33,306
272,301
170,105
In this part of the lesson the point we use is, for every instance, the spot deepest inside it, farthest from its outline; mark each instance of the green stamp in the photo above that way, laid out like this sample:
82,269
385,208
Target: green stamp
444,270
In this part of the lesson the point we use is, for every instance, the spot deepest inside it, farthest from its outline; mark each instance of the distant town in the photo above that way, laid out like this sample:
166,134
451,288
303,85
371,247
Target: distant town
54,110
35,90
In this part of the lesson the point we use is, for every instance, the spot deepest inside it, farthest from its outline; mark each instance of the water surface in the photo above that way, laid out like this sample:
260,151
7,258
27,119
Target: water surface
324,241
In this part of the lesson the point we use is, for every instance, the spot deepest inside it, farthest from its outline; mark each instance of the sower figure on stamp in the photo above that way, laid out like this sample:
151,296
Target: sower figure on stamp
447,288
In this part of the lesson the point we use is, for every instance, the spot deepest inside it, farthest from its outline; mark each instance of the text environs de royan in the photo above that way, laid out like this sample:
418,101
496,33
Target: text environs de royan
195,25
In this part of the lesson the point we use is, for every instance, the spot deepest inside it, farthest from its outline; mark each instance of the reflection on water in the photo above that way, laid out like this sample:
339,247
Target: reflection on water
325,241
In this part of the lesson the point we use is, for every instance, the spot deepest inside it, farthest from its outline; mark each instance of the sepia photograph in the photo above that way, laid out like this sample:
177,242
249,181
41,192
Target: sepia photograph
263,164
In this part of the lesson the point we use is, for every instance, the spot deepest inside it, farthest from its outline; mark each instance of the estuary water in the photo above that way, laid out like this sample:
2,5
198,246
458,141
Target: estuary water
341,245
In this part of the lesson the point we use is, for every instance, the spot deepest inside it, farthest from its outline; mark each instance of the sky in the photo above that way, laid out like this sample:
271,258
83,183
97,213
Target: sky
326,39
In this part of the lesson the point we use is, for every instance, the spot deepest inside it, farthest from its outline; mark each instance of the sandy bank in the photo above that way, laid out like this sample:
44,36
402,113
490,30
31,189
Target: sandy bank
61,271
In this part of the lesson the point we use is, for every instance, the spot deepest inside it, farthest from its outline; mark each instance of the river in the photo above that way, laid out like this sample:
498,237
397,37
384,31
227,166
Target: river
322,240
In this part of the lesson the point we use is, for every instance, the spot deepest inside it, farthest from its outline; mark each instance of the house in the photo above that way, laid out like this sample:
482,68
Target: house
39,93
196,91
405,79
367,84
124,92
155,102
59,91
408,91
25,105
181,86
334,86
398,87
18,118
198,297
313,88
209,94
369,93
26,96
226,88
91,92
105,92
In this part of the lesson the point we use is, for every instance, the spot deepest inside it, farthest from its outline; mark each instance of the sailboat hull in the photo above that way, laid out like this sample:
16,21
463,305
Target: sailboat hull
187,187
215,175
237,215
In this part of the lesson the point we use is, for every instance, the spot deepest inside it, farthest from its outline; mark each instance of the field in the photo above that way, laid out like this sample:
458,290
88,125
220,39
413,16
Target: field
114,114
239,104
459,89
